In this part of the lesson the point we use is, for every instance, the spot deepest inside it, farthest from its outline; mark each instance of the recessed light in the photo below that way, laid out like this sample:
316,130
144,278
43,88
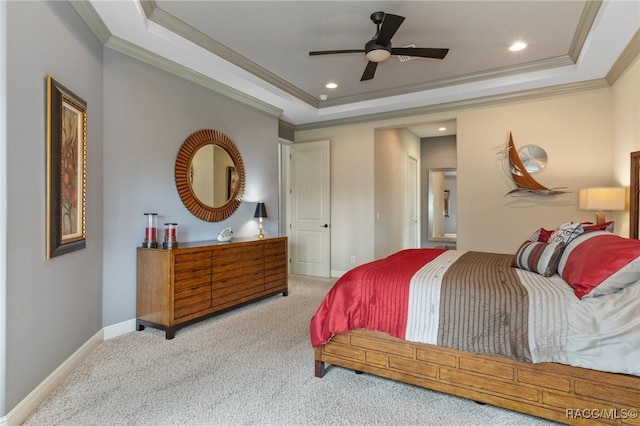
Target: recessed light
519,45
331,85
442,129
323,97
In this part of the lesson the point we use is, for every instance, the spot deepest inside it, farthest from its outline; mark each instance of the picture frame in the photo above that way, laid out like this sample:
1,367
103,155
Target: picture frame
66,170
446,202
232,181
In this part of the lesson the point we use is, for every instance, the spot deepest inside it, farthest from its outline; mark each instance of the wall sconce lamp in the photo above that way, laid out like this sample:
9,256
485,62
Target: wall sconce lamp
601,199
261,213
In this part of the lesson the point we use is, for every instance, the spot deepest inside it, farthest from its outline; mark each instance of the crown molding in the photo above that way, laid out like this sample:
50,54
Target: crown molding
175,25
171,23
587,19
285,130
628,55
89,15
545,64
157,15
463,104
130,49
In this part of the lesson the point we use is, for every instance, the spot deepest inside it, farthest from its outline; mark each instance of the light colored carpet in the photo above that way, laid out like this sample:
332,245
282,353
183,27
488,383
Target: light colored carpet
250,366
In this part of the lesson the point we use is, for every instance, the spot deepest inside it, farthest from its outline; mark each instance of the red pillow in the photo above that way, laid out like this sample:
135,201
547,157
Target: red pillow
541,235
589,226
544,235
599,263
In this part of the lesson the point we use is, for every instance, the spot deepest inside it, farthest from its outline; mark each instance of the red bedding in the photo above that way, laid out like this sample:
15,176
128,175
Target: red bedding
381,304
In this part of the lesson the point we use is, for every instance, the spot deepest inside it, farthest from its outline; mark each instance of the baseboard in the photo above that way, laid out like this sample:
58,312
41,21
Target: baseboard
28,405
337,274
32,401
119,329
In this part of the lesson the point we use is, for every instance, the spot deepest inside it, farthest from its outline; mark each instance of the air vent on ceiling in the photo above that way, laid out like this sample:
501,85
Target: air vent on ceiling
404,58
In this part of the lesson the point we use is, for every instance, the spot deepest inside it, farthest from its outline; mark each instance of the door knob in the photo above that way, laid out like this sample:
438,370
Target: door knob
326,225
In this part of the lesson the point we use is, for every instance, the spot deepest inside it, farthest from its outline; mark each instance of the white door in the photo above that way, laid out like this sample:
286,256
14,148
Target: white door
310,205
412,229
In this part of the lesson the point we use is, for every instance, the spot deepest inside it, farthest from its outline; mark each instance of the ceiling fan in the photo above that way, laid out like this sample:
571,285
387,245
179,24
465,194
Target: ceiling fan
379,49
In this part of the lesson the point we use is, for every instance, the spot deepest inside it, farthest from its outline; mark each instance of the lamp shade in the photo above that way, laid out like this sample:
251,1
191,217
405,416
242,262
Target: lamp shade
261,210
601,198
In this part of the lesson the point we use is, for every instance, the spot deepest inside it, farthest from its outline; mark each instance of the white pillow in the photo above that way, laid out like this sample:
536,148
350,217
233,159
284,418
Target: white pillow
566,232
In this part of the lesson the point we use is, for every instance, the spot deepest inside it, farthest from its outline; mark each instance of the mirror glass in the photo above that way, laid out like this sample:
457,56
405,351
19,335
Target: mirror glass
442,205
210,175
213,175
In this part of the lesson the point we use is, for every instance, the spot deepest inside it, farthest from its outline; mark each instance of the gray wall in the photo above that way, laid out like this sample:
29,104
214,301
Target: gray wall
52,307
143,115
148,115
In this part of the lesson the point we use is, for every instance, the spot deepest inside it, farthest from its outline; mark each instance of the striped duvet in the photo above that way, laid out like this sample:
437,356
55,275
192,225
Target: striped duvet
476,302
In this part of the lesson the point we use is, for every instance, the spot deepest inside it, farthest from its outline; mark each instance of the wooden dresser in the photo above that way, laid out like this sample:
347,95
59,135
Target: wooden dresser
184,285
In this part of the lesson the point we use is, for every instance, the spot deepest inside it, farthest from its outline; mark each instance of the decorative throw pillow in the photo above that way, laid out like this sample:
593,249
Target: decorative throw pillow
542,235
566,232
598,263
589,226
541,258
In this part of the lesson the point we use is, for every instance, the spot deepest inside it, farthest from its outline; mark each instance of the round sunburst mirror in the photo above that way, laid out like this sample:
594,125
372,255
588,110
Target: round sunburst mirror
210,175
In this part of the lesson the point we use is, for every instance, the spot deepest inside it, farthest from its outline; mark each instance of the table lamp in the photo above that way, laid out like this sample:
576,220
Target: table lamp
261,213
601,199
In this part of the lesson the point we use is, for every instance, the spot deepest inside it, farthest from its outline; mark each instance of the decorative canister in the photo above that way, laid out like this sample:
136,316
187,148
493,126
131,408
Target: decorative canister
150,230
170,236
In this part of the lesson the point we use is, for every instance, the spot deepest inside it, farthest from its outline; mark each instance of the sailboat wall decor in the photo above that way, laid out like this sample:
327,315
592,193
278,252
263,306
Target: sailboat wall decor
525,183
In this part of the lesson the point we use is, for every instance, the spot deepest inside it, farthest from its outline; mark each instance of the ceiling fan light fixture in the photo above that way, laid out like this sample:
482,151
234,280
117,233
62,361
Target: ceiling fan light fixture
378,55
378,49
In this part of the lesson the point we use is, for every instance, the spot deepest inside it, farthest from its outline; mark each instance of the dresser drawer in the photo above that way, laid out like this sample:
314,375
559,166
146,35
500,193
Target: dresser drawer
192,278
231,294
192,261
192,300
241,253
275,265
275,280
231,284
273,248
237,269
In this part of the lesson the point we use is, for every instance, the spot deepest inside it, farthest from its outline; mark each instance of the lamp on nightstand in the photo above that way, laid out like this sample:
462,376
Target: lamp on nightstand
261,213
601,199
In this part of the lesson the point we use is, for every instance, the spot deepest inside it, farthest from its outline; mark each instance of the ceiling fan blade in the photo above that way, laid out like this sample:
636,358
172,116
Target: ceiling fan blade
369,71
422,52
333,52
390,25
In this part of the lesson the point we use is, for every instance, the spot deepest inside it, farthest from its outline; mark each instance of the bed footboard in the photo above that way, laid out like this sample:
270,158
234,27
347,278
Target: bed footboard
557,392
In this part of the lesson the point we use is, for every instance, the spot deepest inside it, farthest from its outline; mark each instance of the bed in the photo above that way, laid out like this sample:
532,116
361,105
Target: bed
552,331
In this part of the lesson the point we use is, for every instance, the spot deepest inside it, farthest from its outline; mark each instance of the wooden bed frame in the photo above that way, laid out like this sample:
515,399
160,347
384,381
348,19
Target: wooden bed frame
557,392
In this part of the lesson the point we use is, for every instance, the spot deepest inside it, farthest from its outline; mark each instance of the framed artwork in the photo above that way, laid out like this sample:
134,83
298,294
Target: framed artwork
446,202
66,170
232,181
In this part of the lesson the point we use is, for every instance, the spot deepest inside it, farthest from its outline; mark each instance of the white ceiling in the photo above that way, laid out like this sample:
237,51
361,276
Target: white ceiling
259,49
